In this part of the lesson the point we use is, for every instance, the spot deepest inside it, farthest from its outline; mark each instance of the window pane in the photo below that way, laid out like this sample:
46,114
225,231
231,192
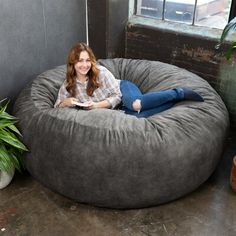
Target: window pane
151,8
212,13
180,10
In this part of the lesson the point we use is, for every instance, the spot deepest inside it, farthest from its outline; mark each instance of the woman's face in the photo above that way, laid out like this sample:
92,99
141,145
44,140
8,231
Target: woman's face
83,66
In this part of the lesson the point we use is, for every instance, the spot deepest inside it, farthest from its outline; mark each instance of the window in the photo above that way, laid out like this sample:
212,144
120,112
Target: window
209,13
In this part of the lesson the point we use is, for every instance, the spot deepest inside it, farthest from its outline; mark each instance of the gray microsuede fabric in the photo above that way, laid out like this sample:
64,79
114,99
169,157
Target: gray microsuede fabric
107,158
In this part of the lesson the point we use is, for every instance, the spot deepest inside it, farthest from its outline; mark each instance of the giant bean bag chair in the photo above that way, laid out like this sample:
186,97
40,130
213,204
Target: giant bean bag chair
110,159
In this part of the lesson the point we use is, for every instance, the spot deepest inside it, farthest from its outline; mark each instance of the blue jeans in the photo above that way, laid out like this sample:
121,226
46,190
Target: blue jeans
151,103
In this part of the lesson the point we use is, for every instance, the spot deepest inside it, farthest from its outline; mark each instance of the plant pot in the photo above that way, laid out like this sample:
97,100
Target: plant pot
6,177
227,88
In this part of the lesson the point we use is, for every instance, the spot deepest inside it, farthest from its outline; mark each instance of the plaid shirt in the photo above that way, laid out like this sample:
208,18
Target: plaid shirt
109,89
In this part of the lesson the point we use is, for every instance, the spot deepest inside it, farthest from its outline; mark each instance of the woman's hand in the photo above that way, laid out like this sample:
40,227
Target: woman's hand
95,105
68,102
91,105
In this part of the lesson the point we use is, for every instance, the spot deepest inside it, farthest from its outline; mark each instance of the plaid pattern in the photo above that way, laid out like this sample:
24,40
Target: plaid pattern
109,89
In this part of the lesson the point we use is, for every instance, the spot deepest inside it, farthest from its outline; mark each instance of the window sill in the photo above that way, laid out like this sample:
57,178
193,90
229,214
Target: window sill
178,28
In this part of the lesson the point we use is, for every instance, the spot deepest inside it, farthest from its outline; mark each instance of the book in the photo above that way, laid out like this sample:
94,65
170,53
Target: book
81,104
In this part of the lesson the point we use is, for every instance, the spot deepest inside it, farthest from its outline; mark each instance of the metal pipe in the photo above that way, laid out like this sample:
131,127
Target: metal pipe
86,22
194,12
163,9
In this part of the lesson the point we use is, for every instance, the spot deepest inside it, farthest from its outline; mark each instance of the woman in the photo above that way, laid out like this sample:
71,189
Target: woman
95,87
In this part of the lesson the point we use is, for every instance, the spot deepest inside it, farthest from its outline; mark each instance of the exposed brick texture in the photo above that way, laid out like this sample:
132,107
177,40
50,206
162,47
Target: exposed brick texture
196,54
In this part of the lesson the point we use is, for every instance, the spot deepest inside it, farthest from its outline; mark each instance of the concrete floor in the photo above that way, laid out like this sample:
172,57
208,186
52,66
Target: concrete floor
28,208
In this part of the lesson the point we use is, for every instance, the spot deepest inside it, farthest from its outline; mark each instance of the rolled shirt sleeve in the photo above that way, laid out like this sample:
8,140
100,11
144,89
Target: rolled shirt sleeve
112,87
62,94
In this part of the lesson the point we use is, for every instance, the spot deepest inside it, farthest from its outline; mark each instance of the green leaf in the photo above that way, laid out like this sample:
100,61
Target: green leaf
230,28
16,160
6,162
6,123
12,140
11,147
5,115
6,165
3,109
10,158
3,100
230,51
13,128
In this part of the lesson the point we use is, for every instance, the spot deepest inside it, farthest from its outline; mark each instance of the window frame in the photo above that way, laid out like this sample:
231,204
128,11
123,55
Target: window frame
134,5
232,13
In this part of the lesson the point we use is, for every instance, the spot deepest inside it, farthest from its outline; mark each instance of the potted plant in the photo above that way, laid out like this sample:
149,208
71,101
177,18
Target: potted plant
228,85
229,29
227,73
11,148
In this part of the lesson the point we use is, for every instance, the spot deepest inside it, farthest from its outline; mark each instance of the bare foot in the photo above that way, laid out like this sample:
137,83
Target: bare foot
137,105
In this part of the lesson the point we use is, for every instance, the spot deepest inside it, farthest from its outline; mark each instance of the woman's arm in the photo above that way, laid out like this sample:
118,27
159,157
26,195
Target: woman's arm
112,87
67,102
102,104
63,99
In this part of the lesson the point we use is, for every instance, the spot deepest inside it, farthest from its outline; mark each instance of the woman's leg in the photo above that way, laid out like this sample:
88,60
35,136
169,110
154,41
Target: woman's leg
155,99
130,92
134,100
149,112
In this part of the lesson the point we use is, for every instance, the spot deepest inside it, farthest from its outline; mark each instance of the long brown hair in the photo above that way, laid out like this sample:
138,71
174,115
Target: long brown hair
72,59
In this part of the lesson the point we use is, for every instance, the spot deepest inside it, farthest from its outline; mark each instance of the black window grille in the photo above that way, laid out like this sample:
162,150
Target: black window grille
211,13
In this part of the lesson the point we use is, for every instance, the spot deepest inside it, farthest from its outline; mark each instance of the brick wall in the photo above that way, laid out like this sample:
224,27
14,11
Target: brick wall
194,53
